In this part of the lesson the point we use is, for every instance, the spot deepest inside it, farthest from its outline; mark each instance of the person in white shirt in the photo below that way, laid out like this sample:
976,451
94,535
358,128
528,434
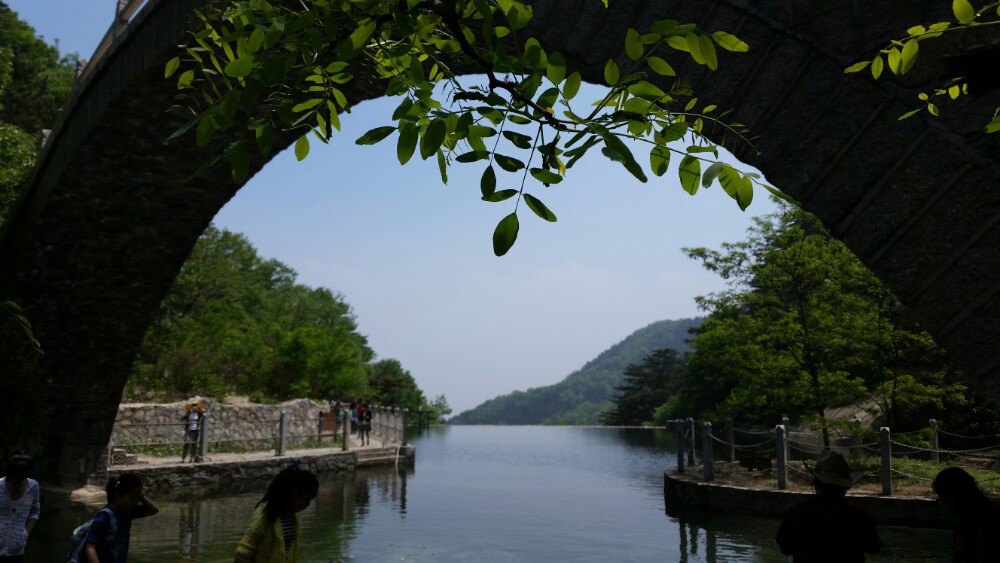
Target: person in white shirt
19,508
192,429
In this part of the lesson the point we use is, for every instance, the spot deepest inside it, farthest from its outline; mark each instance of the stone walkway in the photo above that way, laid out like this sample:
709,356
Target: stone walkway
147,461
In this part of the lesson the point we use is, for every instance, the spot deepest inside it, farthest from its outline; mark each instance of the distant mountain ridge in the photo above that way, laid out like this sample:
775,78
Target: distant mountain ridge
584,394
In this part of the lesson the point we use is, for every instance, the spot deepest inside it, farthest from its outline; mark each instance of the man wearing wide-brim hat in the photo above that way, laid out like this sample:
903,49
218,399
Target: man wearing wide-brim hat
824,528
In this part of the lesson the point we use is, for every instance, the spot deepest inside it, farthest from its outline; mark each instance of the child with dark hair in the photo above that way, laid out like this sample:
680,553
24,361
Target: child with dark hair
108,538
19,508
272,534
977,530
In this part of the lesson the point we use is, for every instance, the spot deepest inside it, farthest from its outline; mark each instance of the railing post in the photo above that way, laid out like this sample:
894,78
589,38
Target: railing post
782,461
935,445
203,445
679,428
691,448
788,438
347,430
886,472
707,461
731,441
282,433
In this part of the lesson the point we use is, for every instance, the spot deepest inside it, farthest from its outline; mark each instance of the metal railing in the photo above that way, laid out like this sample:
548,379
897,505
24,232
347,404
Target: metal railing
890,463
125,10
135,443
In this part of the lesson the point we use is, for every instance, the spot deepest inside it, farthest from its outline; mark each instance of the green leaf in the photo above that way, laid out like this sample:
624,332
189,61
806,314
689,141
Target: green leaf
730,42
488,183
908,56
744,193
473,156
672,132
351,46
858,66
256,40
689,173
894,57
659,160
505,234
694,47
993,126
507,163
239,162
556,69
240,67
407,141
572,86
307,105
964,11
933,109
172,66
707,49
375,135
711,173
185,79
203,134
679,43
877,67
660,66
546,176
520,141
302,147
433,137
908,114
611,72
442,167
616,150
633,44
539,208
502,195
646,90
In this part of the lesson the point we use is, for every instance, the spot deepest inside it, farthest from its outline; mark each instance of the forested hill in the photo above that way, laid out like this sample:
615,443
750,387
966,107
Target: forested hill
585,393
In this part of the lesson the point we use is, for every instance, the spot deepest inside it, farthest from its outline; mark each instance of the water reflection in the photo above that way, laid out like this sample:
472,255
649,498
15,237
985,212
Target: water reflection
481,494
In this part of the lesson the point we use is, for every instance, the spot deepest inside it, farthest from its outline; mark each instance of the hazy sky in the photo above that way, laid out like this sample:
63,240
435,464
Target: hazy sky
414,258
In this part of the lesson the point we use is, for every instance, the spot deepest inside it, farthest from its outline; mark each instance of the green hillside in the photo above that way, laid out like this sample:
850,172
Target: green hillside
585,393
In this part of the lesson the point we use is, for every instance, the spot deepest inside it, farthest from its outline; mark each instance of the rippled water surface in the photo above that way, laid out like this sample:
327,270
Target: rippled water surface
477,494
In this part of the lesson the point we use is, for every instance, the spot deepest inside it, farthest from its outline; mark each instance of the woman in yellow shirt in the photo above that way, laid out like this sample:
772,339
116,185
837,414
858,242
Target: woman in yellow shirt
272,534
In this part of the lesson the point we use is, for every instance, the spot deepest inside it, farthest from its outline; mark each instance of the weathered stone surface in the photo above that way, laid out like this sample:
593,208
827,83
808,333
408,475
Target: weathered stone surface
109,217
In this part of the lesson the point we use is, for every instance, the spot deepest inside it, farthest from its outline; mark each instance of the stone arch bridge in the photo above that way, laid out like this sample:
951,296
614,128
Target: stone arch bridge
108,218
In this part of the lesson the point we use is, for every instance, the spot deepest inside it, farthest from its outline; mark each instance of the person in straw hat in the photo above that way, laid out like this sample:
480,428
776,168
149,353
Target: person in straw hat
823,527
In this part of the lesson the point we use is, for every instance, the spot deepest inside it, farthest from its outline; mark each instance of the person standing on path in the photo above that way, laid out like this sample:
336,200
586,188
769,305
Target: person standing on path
365,420
110,531
977,530
272,534
19,508
824,528
192,431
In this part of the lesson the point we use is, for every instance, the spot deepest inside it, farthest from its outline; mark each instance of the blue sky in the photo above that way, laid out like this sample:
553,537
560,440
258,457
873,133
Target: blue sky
414,257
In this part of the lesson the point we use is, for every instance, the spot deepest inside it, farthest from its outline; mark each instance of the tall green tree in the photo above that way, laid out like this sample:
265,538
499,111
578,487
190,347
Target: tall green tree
645,387
804,326
234,322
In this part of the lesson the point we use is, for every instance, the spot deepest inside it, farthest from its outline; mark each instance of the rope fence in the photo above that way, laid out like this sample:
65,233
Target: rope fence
893,463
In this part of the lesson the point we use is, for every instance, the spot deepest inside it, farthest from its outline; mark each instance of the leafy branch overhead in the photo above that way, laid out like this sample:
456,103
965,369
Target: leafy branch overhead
257,69
900,56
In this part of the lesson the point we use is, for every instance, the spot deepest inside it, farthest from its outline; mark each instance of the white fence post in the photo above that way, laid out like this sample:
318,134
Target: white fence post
203,446
782,462
935,445
886,472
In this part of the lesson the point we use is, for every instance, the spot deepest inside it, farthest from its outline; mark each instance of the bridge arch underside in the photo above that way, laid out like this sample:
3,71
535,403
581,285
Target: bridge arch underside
109,217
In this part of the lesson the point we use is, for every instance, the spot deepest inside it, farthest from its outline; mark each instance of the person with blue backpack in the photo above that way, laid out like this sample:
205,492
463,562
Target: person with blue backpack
105,538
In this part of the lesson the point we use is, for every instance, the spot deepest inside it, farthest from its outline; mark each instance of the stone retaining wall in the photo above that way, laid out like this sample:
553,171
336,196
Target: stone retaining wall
170,476
892,511
251,424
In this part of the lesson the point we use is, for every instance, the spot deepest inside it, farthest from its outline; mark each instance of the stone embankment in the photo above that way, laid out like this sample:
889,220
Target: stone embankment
681,490
160,475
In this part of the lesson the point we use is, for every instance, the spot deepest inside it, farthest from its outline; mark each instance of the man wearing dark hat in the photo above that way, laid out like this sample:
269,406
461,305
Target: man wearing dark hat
824,528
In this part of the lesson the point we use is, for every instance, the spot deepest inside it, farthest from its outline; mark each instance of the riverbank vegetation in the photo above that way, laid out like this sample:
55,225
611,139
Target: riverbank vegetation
235,323
802,327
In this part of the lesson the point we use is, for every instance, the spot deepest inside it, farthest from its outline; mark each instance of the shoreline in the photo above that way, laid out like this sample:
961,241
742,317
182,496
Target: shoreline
690,492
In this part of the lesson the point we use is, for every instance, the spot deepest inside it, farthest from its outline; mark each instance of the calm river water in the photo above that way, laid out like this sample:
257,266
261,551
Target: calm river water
477,494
